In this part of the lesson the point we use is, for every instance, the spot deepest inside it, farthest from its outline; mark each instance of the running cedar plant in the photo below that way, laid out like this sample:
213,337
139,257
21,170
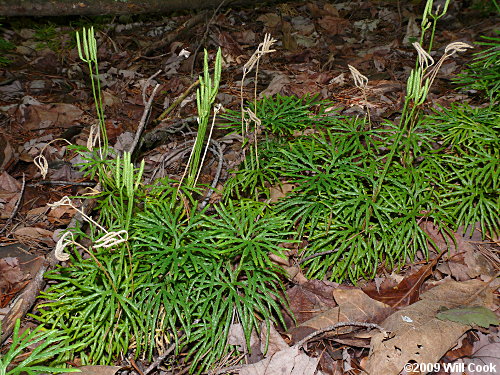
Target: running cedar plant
361,193
348,233
254,181
469,177
31,350
483,74
280,118
285,115
205,273
95,301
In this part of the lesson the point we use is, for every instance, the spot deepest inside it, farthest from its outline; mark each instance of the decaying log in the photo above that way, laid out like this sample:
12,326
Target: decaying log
105,7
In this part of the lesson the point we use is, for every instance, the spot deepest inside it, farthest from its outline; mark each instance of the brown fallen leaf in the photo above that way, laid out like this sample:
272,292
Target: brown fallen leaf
8,202
334,25
308,299
270,20
9,184
34,234
47,115
465,259
11,280
61,215
415,329
6,152
288,39
276,85
404,293
353,306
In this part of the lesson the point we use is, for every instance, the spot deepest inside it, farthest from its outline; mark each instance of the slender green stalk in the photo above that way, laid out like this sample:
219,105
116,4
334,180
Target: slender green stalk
205,97
87,50
426,24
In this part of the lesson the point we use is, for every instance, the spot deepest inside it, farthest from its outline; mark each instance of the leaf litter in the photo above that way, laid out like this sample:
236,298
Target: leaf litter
317,42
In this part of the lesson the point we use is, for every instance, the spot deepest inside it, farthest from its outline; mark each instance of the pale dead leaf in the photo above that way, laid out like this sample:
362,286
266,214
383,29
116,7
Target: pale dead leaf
455,269
479,265
464,260
236,337
172,64
280,191
245,37
11,91
346,360
291,361
366,26
306,41
412,30
110,100
124,141
276,342
448,69
486,352
96,370
303,26
276,85
37,211
339,80
414,329
65,173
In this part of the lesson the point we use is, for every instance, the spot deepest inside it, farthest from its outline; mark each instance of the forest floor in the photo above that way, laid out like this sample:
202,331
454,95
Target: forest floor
46,103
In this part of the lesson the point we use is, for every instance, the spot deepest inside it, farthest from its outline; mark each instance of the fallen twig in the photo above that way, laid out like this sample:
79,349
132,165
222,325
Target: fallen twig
335,326
177,101
59,182
161,134
205,35
147,110
160,359
185,147
317,255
